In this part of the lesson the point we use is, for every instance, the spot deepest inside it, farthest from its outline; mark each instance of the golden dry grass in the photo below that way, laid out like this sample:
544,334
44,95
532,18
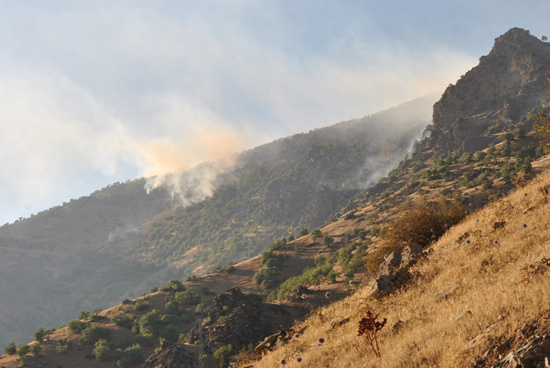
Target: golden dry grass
497,292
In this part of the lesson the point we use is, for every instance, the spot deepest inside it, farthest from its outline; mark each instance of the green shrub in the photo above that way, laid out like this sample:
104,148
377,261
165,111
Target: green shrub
83,315
92,334
36,350
76,325
122,320
131,356
23,349
170,333
315,234
63,346
11,349
40,335
102,351
173,285
150,322
222,354
141,306
189,296
327,241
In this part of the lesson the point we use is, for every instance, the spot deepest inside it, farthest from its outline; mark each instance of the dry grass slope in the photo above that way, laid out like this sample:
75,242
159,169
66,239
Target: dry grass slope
487,264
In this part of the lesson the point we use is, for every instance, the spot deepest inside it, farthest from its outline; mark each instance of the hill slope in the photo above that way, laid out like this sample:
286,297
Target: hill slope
119,241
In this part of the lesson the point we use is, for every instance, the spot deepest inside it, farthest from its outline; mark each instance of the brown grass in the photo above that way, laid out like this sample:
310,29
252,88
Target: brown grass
496,293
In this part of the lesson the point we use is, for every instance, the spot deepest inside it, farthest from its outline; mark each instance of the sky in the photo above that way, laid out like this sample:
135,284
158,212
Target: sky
94,92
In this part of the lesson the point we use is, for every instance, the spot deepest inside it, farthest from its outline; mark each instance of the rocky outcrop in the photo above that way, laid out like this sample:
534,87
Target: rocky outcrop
170,355
505,85
394,271
237,319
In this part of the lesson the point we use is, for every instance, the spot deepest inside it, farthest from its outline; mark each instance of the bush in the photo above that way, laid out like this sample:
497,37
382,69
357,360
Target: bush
423,223
40,335
63,346
189,296
173,285
327,241
150,322
131,356
83,315
304,232
23,349
170,333
122,320
315,234
76,325
11,349
141,306
36,350
101,350
222,354
92,334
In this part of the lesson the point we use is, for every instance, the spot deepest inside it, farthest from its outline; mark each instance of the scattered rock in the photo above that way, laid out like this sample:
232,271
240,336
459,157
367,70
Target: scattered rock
398,326
499,225
467,313
340,323
445,293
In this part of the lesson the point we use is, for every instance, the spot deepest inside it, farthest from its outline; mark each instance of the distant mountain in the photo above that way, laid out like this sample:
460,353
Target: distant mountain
119,242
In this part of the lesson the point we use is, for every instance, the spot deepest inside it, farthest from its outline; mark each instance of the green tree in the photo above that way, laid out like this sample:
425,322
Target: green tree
92,334
76,326
11,348
222,354
541,119
101,350
23,349
189,296
36,350
39,335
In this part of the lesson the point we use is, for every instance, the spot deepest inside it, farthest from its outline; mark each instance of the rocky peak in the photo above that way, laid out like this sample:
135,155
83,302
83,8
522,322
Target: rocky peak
503,87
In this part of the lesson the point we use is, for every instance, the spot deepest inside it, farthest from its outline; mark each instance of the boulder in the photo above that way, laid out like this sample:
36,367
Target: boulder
394,271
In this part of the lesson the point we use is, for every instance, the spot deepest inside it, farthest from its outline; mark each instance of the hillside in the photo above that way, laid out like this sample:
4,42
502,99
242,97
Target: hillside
120,241
478,299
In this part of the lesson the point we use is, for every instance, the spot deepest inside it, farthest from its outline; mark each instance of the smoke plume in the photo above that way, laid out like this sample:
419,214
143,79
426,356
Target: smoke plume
188,166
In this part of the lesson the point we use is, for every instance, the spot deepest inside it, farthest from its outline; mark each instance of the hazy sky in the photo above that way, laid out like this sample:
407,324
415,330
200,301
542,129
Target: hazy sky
93,92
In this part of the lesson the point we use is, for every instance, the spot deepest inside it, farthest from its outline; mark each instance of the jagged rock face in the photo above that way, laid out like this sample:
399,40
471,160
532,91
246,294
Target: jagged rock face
505,85
236,319
170,356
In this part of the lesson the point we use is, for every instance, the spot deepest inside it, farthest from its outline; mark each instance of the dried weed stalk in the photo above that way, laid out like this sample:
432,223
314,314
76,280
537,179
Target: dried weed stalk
369,329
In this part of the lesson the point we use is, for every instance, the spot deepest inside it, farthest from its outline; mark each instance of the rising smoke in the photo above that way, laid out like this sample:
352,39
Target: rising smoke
189,166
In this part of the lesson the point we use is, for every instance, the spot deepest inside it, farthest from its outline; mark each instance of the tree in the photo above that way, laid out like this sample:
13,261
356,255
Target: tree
541,119
11,348
39,335
222,354
23,349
